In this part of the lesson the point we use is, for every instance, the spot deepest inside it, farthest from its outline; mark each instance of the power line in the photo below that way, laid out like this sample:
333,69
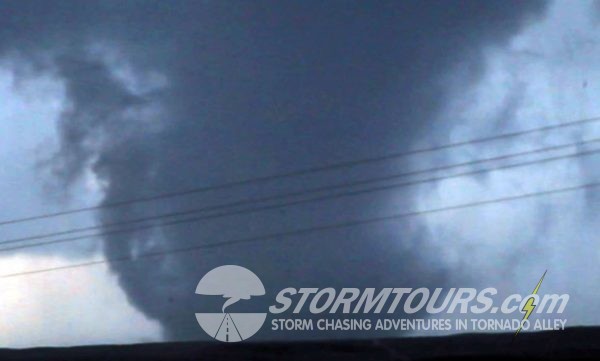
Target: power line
280,235
346,164
299,193
302,201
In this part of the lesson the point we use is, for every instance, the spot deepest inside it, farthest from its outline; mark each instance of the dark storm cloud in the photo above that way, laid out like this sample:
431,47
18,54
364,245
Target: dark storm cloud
255,88
96,113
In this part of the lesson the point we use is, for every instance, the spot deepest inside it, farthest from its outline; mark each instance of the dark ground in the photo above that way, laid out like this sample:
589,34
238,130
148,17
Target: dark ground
581,343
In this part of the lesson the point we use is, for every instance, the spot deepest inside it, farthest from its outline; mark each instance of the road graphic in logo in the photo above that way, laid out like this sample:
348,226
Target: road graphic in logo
234,283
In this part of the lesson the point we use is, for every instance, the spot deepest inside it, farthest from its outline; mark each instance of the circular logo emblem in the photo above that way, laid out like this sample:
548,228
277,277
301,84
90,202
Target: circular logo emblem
234,283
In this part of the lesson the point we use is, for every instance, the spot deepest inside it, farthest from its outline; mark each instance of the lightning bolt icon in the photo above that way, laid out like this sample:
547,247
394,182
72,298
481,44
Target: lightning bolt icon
529,304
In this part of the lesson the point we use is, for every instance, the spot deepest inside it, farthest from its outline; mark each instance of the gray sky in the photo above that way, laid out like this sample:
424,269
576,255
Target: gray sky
101,102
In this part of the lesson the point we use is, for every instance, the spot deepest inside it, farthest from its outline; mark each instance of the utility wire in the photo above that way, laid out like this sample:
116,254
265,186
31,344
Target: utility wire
277,236
297,193
346,164
302,201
